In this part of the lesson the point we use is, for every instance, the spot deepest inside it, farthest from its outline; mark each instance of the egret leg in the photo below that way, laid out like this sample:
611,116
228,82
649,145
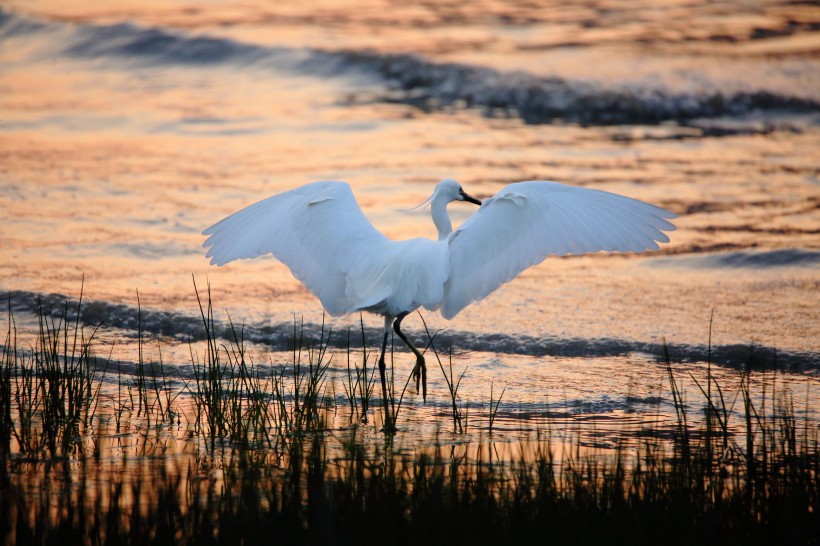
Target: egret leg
420,371
389,427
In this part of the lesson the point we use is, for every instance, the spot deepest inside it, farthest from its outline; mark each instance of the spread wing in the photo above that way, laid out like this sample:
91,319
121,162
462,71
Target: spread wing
526,222
317,230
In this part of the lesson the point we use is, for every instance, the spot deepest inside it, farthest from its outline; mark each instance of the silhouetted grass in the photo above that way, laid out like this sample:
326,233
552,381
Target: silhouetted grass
240,454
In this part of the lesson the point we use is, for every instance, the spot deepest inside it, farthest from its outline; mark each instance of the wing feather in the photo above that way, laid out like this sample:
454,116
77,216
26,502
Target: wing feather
526,222
317,230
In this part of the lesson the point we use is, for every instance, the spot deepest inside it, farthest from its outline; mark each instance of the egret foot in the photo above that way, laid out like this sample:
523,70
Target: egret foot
420,377
420,371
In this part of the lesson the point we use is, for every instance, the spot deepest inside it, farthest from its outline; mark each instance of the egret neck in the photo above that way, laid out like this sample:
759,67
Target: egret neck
438,209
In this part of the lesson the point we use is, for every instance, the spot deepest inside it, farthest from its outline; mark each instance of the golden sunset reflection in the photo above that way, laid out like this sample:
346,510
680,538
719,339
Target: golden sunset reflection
128,128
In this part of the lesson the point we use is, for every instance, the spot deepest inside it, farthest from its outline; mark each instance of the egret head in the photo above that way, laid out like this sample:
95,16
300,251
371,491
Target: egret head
451,190
446,191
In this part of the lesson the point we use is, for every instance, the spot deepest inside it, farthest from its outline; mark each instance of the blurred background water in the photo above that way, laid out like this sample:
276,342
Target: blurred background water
127,129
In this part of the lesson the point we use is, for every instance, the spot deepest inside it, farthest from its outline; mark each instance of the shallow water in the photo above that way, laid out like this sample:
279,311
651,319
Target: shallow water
126,131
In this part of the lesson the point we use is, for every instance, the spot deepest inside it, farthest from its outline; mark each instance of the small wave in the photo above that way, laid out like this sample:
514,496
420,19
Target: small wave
129,40
12,25
791,257
186,328
542,100
156,46
411,79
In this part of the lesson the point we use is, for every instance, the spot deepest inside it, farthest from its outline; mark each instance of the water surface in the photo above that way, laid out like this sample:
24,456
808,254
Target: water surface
127,130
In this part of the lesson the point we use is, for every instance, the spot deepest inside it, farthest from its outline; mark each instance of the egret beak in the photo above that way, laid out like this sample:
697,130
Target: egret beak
469,198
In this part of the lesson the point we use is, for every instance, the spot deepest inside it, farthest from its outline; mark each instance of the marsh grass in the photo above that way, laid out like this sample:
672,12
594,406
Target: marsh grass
493,407
50,392
458,411
358,386
239,405
242,453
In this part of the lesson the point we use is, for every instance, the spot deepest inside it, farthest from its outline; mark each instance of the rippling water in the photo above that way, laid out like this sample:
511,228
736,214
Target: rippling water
127,130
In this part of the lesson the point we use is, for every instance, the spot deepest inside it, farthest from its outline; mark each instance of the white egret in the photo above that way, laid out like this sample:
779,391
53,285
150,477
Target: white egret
321,234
